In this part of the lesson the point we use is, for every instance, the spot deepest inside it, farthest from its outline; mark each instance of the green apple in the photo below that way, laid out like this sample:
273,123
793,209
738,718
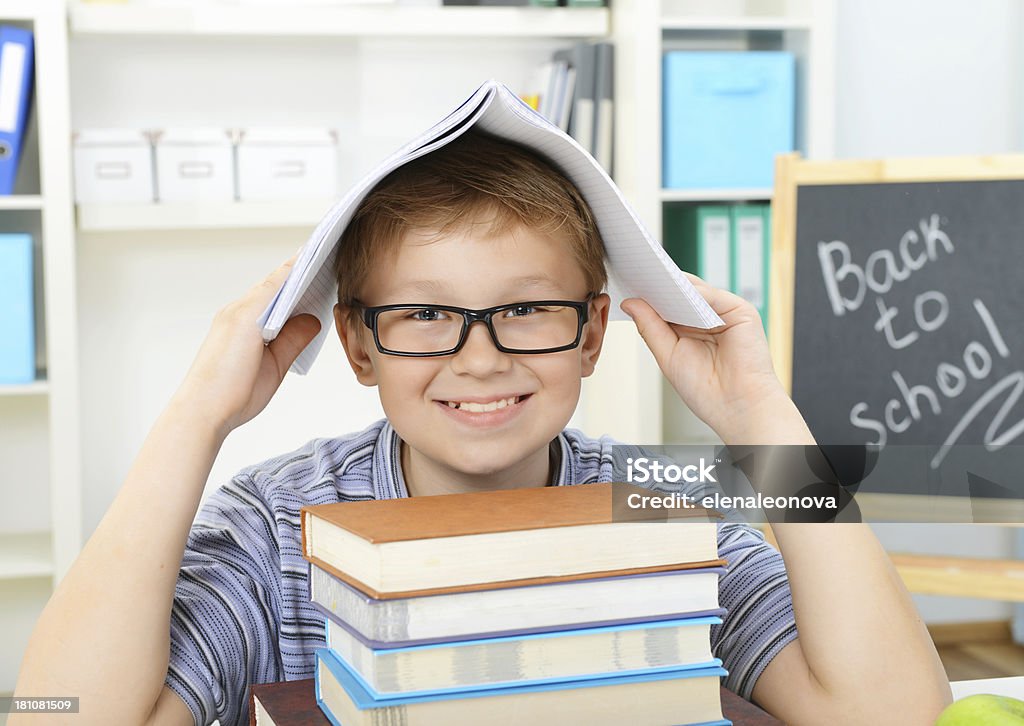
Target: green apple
983,709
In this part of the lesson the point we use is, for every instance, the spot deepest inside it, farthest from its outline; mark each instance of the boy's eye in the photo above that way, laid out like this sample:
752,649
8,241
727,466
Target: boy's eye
427,314
521,311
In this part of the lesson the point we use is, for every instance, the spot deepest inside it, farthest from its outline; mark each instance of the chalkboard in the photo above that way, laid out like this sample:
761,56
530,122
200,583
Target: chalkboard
898,301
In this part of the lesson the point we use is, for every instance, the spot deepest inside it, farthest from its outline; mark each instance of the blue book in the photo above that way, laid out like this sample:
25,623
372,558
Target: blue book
16,62
17,319
687,696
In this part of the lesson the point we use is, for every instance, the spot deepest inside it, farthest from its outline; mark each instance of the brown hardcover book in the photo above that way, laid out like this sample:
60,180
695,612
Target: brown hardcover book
288,703
293,703
495,584
457,542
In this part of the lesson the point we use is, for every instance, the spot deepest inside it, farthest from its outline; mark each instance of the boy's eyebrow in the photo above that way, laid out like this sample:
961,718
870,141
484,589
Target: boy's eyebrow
442,287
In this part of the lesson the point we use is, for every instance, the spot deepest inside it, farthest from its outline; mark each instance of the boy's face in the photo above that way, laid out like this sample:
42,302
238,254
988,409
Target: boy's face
465,270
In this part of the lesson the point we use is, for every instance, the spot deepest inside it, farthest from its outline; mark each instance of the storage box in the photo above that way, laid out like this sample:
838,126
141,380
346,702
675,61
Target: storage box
17,315
113,165
725,117
195,165
287,164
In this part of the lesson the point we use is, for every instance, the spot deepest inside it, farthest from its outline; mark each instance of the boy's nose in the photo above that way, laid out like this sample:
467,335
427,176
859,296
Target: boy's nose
479,356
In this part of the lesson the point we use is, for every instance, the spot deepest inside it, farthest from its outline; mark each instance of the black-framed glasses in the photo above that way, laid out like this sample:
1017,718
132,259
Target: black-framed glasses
420,331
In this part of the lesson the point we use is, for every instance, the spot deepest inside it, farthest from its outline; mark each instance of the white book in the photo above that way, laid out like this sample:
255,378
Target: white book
383,623
638,266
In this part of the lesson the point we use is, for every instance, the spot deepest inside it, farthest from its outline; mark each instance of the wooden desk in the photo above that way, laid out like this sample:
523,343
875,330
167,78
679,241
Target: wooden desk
744,713
298,700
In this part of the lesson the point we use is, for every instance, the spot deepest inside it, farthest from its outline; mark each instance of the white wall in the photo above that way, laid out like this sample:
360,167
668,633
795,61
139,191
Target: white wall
939,78
928,77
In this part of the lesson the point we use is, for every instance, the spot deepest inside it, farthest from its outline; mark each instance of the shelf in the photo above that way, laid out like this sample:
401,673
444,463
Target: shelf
36,388
752,23
716,195
20,10
226,215
382,21
27,554
21,201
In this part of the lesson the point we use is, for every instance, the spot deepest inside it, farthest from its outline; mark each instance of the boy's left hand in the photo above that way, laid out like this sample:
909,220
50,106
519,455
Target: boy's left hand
724,375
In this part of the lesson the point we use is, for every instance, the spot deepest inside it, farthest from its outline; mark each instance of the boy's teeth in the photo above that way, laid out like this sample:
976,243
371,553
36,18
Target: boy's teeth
481,407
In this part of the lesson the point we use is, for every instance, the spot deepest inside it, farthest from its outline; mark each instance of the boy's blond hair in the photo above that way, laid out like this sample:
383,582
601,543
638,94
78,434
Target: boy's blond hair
475,179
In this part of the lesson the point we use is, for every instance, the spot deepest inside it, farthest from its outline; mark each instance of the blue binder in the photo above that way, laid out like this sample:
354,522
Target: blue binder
16,61
17,320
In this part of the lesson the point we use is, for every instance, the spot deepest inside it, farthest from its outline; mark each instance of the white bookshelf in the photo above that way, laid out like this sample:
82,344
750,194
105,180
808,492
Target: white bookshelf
184,216
40,420
739,23
36,388
26,555
716,195
46,212
21,201
643,31
349,21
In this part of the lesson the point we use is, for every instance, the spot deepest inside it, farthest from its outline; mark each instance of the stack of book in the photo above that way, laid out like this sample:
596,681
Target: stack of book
574,90
513,606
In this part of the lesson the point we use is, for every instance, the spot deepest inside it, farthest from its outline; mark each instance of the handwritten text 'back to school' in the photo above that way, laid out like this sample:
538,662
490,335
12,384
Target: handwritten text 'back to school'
883,270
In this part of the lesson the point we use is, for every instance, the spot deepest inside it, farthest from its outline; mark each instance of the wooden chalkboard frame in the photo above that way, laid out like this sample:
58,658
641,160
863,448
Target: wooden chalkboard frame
792,172
998,579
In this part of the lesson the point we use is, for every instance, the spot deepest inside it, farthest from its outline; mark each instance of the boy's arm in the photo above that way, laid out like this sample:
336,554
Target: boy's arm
863,655
104,636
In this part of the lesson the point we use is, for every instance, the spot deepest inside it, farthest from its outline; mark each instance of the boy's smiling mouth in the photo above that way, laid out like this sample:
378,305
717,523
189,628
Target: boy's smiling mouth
475,404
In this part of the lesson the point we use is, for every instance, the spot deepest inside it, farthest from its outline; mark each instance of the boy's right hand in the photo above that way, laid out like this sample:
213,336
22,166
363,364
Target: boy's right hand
234,375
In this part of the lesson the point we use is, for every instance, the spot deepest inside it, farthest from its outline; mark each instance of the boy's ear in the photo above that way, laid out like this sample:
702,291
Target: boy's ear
356,345
593,333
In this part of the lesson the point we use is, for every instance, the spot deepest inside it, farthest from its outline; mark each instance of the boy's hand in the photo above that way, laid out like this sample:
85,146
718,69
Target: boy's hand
724,375
234,375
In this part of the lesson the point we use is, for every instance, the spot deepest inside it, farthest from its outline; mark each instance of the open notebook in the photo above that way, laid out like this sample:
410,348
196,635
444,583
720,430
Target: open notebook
638,266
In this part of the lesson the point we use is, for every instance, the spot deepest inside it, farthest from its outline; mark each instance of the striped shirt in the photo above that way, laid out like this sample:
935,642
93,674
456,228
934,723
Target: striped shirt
241,612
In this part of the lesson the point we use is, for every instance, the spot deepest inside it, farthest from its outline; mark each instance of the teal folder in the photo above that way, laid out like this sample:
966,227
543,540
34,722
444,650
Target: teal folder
751,255
699,240
17,317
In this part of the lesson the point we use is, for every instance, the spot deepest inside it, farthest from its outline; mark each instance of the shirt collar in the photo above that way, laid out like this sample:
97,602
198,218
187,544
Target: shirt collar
389,482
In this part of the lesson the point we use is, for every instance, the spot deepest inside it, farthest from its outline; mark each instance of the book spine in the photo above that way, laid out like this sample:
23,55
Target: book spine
604,114
581,127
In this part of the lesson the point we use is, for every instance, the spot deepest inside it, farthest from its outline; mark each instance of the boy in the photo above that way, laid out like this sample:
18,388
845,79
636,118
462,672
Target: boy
484,232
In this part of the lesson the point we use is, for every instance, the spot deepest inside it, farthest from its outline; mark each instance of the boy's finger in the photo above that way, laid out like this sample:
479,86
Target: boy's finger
265,289
658,335
278,276
721,301
698,282
293,338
